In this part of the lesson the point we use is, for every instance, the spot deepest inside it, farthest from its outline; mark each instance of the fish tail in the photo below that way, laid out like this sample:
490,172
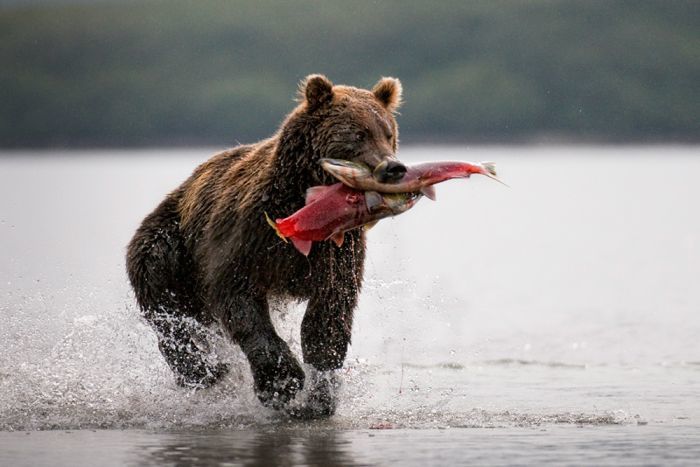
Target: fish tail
273,224
490,167
490,171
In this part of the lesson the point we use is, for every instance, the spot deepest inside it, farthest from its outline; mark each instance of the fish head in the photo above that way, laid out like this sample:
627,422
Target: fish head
390,203
346,171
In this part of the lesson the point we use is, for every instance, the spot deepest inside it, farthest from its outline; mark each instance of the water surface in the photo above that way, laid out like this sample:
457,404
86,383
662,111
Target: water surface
554,319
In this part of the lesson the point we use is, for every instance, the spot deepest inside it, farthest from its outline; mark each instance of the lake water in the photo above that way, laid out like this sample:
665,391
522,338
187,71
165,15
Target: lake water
555,321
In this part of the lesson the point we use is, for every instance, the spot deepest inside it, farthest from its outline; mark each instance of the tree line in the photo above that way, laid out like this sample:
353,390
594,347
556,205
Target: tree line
156,72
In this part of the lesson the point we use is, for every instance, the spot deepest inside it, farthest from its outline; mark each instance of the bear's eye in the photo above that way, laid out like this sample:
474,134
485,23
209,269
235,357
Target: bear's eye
389,136
360,135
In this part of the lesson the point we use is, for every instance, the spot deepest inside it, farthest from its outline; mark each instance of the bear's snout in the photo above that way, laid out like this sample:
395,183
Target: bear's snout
389,171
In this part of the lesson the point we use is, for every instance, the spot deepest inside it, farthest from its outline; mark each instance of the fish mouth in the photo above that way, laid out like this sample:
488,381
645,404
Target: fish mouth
395,203
401,202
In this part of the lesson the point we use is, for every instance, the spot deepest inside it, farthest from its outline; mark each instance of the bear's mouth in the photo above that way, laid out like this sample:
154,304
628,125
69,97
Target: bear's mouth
389,171
359,175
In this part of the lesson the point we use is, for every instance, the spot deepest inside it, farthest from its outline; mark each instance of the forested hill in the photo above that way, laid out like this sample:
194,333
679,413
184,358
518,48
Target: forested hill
217,72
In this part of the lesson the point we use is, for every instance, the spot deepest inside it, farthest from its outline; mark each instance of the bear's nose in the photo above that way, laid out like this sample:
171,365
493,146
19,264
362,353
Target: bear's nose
389,171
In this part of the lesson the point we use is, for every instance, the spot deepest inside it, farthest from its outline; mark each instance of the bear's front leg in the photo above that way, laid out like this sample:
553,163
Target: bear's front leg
327,325
325,336
276,372
327,328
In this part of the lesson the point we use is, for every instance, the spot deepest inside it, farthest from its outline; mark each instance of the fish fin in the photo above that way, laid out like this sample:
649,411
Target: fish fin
338,238
429,192
369,225
315,192
273,224
304,246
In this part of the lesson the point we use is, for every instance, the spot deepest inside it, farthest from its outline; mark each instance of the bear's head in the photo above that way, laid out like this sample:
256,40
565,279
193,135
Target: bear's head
353,124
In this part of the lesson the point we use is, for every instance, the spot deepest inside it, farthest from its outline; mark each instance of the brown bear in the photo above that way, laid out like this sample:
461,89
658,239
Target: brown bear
206,254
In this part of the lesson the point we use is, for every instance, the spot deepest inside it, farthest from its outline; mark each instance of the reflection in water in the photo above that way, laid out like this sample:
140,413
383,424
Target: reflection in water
325,446
314,448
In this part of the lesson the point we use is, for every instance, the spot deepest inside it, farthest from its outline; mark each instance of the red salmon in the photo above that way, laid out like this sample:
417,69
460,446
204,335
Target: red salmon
332,210
418,178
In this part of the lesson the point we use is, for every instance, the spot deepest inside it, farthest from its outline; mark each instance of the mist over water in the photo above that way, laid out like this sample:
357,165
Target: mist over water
569,298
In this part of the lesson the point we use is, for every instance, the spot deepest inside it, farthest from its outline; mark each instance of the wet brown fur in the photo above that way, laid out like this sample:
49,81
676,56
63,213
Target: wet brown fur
206,253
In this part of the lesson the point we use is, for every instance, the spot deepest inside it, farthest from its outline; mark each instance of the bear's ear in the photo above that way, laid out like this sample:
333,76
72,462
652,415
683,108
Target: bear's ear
316,90
388,91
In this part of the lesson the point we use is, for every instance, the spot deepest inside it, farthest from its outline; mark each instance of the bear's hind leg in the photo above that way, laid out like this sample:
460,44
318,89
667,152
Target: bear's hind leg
183,343
163,280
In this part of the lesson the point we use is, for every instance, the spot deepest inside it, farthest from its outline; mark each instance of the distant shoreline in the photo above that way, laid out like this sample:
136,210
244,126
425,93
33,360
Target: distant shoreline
406,141
131,151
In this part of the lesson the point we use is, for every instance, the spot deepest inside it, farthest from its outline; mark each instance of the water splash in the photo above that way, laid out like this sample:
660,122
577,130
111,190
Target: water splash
104,371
